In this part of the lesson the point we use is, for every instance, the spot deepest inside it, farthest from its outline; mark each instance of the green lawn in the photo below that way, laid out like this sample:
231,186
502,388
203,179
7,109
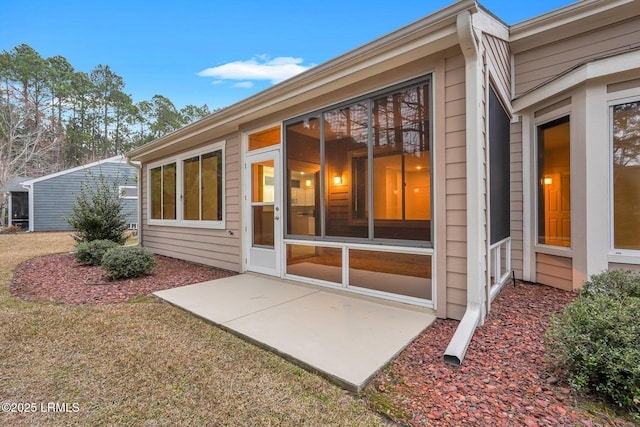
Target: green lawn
146,364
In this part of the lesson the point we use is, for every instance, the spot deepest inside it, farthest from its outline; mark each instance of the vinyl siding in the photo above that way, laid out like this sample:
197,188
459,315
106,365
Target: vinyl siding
554,271
455,187
619,266
53,198
214,247
498,56
541,64
517,230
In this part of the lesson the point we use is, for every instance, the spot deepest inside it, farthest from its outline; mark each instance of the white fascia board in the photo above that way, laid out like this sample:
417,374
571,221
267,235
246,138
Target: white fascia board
115,159
488,24
624,62
428,35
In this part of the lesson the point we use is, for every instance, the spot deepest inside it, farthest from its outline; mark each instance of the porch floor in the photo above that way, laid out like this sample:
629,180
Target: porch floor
346,338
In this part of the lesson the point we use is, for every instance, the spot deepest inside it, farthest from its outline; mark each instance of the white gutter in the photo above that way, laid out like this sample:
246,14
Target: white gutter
138,167
474,314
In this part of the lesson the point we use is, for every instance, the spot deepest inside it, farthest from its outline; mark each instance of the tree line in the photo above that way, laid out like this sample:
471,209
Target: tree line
53,117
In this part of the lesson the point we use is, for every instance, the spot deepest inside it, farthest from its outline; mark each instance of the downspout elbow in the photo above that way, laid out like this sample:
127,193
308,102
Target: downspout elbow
457,348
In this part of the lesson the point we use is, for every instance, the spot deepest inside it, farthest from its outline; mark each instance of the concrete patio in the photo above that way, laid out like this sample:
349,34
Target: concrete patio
344,337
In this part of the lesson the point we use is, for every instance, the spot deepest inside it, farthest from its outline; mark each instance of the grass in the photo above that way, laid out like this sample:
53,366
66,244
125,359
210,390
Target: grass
146,363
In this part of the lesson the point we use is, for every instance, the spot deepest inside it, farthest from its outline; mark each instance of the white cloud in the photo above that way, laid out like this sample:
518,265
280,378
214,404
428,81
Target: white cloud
244,85
260,67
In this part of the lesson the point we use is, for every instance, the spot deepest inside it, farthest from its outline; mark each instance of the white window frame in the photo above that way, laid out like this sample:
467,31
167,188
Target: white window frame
537,122
618,255
178,160
122,192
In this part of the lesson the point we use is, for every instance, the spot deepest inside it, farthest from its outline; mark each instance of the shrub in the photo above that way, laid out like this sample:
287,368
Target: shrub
98,211
596,339
93,251
11,229
128,261
615,283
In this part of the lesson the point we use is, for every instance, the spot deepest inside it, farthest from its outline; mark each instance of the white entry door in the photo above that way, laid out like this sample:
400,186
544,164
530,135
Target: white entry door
263,213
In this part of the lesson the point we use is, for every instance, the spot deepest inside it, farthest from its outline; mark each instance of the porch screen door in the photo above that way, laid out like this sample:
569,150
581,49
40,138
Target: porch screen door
262,213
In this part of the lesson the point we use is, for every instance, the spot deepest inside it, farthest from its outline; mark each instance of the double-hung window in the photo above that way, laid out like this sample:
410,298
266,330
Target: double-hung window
189,189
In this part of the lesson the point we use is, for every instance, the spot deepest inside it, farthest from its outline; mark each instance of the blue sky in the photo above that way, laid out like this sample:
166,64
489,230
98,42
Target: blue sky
213,52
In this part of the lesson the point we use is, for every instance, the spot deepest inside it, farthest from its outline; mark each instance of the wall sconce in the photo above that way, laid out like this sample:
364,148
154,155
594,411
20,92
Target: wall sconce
337,180
548,181
307,183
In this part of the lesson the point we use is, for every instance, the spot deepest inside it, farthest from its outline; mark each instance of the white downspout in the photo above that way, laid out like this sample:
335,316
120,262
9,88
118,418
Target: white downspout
138,167
474,314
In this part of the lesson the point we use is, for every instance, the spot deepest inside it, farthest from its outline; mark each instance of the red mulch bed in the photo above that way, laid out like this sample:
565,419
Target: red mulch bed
61,279
504,379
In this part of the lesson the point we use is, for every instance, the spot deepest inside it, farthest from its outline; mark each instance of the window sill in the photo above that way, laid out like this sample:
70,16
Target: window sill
627,257
554,250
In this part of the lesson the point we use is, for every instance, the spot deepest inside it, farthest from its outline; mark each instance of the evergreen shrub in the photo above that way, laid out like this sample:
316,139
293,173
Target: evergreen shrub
596,339
128,261
93,251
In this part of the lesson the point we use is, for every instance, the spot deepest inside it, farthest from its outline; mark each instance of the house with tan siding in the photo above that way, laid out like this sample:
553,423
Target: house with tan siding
427,167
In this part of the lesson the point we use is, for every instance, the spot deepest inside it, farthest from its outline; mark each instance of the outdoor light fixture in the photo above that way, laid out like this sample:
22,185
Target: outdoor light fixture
337,180
548,181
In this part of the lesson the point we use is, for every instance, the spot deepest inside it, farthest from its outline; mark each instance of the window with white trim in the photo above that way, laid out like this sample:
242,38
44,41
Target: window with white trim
163,191
202,187
189,189
128,191
625,175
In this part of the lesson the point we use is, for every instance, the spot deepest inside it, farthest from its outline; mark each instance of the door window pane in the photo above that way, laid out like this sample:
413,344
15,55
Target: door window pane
263,228
263,181
554,184
626,176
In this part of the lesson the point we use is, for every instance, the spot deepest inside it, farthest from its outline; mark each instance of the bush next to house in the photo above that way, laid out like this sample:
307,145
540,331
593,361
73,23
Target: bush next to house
128,261
93,251
98,212
596,339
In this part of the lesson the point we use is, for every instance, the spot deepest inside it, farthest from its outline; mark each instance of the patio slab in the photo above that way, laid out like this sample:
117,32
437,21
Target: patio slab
346,338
